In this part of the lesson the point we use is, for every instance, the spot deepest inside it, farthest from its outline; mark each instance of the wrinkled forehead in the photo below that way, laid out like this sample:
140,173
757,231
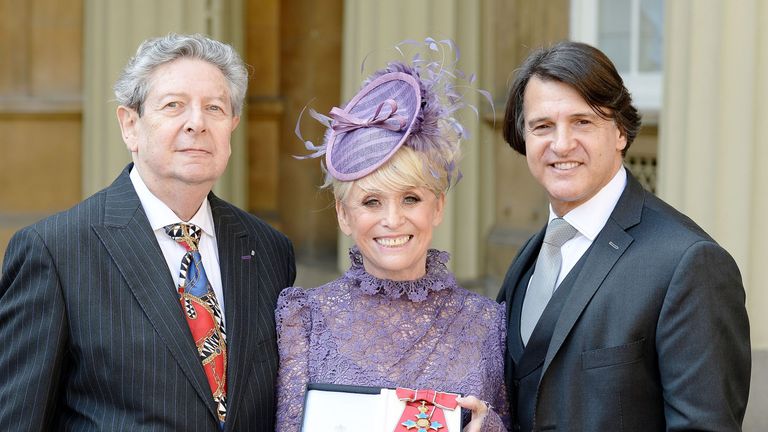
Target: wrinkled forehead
187,75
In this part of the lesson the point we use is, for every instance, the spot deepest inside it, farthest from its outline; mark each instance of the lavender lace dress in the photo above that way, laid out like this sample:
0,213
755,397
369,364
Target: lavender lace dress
360,330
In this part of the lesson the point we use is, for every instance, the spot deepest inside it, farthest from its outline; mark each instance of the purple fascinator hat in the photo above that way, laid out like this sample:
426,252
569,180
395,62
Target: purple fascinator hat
399,105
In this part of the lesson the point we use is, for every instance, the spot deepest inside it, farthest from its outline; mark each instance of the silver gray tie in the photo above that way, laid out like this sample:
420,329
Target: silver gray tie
542,283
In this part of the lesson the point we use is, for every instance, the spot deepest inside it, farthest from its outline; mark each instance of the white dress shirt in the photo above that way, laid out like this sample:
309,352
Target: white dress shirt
160,215
589,219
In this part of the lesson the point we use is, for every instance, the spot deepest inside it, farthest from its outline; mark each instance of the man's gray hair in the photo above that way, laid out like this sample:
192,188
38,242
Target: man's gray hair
133,84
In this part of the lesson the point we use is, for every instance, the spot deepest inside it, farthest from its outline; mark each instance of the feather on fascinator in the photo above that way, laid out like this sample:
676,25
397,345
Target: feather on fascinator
398,105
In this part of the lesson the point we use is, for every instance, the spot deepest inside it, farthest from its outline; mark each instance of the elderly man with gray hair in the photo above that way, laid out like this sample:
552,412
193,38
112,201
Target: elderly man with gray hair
149,306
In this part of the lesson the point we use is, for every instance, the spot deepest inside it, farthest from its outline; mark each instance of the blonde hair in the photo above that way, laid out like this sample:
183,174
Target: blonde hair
406,169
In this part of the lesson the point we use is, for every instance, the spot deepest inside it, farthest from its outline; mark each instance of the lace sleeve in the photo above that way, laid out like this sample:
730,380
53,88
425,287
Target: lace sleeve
292,318
493,423
498,418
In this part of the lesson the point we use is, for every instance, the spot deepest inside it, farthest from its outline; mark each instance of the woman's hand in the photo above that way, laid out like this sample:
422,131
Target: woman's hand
479,411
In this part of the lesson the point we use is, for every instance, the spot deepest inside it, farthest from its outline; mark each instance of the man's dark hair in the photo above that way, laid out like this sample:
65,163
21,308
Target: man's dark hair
588,71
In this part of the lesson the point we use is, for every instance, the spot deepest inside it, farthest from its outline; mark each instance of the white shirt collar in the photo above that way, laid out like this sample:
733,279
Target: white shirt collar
590,217
160,215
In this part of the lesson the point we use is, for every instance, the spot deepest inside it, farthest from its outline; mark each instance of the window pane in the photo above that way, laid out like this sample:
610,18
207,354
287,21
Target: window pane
614,31
651,31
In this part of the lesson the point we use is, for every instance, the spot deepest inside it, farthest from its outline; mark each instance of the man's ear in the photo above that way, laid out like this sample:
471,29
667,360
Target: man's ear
127,119
621,139
341,216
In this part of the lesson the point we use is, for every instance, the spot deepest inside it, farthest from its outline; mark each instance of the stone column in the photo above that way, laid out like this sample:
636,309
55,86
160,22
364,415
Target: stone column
713,149
371,29
113,31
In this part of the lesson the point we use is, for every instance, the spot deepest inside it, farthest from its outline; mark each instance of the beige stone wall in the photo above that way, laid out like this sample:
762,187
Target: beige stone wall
40,110
310,74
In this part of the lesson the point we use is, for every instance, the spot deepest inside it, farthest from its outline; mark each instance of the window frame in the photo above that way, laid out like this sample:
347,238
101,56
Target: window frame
646,87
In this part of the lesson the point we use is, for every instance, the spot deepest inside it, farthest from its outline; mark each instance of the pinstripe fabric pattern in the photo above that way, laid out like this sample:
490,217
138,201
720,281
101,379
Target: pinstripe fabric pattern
92,331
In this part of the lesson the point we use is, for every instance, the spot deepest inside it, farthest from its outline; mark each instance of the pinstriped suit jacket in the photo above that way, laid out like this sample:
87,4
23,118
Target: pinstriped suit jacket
93,336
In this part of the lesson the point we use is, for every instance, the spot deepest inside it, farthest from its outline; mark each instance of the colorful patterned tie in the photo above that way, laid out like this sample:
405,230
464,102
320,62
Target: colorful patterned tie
203,313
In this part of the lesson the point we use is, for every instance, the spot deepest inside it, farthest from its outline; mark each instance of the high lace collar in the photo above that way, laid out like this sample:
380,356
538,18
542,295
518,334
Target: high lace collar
437,278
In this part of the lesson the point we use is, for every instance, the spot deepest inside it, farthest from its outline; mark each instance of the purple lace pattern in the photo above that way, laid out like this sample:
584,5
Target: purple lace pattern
437,278
361,330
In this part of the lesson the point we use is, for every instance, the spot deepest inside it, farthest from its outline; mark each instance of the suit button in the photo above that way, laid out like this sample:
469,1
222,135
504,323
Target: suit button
515,383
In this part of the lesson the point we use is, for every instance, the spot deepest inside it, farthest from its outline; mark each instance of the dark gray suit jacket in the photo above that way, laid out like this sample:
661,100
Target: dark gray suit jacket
92,332
653,336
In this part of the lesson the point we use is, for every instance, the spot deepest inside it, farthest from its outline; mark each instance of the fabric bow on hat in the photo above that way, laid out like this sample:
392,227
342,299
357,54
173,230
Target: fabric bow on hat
372,126
345,122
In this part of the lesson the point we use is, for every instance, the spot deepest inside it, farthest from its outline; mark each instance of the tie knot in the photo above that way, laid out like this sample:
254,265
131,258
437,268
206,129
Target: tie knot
186,234
558,232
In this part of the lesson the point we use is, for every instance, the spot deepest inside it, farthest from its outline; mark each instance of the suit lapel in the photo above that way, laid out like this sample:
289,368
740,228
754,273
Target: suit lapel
239,257
606,250
129,240
512,282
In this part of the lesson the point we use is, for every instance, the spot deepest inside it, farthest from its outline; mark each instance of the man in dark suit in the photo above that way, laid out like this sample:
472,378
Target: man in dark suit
149,306
624,315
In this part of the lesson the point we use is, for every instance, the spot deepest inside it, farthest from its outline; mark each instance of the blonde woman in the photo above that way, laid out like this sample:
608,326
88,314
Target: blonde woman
397,317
